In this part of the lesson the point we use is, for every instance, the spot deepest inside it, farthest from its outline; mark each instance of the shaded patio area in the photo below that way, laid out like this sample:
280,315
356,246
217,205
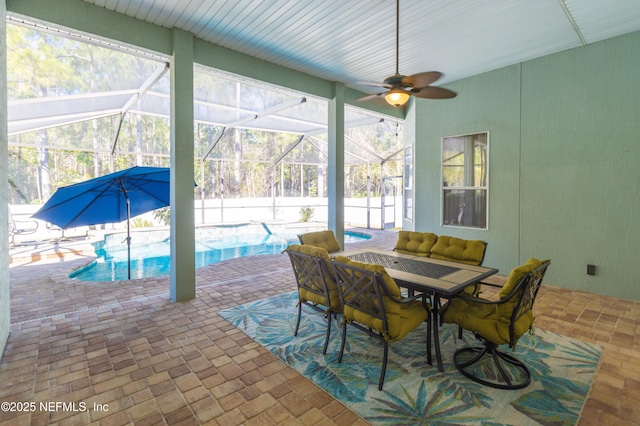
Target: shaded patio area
126,346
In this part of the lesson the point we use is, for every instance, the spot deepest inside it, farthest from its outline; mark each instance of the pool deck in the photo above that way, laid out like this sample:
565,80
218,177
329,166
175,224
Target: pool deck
126,346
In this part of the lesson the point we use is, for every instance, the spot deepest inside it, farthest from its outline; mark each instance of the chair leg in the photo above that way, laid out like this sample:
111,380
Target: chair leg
429,325
326,339
295,333
517,376
344,339
384,365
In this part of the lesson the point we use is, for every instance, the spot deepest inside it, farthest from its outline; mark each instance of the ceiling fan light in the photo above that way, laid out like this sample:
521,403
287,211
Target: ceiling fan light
397,97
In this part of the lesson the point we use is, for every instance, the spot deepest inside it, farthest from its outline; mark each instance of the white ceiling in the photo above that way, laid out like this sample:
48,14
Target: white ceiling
354,40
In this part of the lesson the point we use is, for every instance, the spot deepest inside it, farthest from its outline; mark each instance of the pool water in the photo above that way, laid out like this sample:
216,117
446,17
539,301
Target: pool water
151,259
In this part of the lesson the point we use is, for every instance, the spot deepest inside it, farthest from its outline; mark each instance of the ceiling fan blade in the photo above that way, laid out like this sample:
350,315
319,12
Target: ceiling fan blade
422,79
431,92
374,84
366,98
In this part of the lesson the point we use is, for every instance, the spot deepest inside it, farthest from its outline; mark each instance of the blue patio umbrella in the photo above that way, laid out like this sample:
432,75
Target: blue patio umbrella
110,198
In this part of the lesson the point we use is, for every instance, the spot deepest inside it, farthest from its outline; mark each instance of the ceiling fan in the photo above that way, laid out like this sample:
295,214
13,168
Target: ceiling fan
402,87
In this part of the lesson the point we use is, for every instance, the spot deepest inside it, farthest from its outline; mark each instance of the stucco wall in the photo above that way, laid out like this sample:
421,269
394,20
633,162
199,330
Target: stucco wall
563,163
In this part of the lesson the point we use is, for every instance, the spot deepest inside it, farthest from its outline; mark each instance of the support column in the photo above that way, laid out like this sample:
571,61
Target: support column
5,307
183,266
335,178
414,130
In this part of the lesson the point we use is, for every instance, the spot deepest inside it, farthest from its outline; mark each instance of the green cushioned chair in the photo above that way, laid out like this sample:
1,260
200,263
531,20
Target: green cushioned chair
372,303
452,249
416,243
470,252
497,323
325,239
316,285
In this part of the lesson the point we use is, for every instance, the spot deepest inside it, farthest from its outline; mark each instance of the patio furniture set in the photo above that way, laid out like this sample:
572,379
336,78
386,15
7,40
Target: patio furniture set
365,287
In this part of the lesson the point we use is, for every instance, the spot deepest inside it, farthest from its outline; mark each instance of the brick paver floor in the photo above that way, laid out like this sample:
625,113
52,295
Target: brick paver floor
125,354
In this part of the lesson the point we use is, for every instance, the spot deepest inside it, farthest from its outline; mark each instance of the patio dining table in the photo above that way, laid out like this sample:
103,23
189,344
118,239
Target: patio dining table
438,278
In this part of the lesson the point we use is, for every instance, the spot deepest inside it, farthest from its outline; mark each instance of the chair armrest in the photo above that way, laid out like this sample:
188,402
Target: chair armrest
410,299
423,297
444,307
484,301
490,284
24,227
476,300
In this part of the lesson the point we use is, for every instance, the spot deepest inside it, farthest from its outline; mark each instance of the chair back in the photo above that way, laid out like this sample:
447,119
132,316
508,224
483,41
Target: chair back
526,292
361,292
314,279
517,296
324,239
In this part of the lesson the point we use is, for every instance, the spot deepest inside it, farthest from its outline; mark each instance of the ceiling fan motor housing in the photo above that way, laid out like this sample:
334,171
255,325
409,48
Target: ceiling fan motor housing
395,81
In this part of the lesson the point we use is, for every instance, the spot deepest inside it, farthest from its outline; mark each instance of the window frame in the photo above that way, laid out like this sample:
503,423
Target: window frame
408,195
484,188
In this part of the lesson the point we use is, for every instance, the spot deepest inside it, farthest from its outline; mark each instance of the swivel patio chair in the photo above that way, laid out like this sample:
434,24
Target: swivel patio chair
316,285
325,239
372,303
497,323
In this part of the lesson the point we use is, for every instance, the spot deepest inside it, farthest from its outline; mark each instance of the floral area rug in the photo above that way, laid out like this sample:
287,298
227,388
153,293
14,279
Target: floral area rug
414,392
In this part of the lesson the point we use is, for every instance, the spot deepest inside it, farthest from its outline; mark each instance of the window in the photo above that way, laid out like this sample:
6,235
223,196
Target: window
465,180
408,183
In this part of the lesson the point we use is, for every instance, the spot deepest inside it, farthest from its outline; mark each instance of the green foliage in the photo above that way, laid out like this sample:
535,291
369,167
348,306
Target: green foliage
138,222
306,213
163,215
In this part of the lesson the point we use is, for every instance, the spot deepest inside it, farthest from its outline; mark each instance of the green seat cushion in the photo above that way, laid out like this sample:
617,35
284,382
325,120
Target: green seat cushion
416,243
325,239
401,317
476,317
455,249
335,304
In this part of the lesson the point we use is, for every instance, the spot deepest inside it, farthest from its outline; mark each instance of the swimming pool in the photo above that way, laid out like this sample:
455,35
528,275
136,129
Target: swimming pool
150,250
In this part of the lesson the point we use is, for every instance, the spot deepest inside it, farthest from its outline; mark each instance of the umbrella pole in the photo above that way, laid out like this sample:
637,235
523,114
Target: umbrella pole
128,239
126,198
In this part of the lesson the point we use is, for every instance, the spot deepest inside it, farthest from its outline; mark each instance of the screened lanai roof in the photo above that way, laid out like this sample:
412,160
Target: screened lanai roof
219,100
122,85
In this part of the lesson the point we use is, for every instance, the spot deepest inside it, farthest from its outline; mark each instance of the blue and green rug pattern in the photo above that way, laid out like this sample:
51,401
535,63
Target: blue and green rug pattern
414,392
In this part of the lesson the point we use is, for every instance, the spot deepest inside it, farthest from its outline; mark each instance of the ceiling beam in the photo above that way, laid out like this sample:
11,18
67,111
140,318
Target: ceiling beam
569,16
